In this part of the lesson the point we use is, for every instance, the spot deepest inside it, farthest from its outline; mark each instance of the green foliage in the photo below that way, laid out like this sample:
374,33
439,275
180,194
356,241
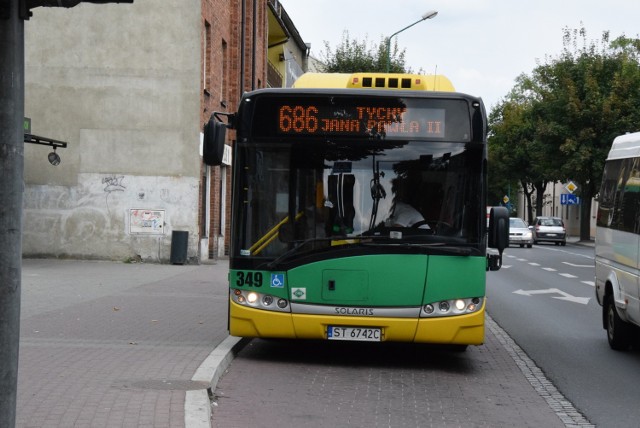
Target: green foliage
352,56
564,115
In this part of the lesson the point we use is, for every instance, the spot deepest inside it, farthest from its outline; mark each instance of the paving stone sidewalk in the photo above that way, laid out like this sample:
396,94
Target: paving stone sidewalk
106,344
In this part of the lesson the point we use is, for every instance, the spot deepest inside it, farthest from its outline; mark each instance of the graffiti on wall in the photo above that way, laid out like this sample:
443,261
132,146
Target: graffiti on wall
113,183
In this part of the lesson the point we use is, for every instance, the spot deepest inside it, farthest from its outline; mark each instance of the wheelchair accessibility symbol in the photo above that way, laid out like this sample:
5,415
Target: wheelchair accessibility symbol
277,280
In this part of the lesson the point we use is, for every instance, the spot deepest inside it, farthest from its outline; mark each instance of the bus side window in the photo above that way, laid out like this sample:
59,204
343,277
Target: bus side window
608,193
627,201
619,204
632,195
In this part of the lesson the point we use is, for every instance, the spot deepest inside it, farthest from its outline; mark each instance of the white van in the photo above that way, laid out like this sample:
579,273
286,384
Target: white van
618,241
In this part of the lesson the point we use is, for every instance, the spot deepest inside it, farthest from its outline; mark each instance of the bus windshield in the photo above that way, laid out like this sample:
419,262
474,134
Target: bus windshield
325,194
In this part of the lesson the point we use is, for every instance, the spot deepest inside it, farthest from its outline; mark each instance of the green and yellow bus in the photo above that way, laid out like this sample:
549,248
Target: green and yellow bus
358,211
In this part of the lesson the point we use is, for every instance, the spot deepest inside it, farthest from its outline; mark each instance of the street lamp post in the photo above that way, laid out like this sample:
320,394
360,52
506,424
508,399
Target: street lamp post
428,15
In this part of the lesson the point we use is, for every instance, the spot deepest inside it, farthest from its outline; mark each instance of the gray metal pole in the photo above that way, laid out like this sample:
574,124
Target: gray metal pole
11,188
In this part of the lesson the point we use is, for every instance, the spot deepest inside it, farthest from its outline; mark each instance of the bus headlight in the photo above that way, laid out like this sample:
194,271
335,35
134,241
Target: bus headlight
447,308
256,300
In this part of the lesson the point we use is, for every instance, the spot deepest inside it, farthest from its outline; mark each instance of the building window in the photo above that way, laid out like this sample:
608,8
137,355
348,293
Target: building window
223,81
206,56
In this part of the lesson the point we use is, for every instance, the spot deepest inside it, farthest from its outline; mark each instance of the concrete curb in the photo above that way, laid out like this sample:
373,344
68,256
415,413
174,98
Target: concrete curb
557,402
197,405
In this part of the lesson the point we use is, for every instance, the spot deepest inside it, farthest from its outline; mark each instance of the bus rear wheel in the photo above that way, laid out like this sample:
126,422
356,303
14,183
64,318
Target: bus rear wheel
618,331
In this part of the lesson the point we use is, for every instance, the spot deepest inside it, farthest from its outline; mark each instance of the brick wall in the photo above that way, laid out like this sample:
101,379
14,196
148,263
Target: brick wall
221,36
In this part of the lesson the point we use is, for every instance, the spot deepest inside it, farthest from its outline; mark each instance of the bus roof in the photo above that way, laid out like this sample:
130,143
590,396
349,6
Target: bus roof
625,146
392,81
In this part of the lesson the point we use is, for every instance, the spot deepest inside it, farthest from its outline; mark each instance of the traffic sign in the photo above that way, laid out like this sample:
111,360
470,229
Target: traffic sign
569,199
571,187
505,199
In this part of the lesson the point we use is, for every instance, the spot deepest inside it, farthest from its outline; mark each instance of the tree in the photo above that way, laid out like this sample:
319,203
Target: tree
578,102
515,151
352,56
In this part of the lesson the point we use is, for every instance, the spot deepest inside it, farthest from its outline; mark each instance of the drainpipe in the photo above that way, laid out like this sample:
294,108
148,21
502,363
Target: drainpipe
242,36
253,47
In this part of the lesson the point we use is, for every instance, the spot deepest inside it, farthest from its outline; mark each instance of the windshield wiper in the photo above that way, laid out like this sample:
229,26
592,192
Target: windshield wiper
272,264
439,247
361,240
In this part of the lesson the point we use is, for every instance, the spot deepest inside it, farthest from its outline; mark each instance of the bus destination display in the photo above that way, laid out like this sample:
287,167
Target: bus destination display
373,121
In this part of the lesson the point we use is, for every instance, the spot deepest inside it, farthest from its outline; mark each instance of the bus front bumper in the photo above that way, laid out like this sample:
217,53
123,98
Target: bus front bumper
461,329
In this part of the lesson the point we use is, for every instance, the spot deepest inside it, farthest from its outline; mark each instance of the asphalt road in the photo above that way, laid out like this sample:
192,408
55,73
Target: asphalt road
544,298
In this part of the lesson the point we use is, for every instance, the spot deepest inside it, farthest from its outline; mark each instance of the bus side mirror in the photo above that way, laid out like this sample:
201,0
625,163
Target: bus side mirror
498,235
499,228
213,145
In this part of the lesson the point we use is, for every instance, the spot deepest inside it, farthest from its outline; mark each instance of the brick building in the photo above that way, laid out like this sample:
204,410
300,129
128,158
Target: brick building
273,55
233,61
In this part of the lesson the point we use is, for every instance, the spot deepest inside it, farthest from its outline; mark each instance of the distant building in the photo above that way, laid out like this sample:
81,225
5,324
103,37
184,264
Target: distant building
288,54
130,87
555,205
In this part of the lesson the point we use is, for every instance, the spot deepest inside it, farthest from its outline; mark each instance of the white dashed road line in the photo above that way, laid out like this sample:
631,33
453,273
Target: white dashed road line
567,275
550,269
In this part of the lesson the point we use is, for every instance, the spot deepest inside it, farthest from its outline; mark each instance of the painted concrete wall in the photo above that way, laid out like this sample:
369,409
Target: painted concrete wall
121,84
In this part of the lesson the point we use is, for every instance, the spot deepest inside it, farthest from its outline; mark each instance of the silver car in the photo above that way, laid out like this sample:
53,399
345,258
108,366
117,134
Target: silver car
549,229
519,233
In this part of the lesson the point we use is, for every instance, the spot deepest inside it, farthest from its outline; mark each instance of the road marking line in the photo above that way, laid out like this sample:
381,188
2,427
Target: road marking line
567,275
550,269
521,260
534,264
564,295
574,265
591,283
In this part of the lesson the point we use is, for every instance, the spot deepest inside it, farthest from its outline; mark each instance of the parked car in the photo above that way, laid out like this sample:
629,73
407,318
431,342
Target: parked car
549,229
519,233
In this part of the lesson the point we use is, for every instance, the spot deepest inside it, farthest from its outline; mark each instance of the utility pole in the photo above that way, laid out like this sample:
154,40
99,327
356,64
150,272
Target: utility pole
13,13
11,188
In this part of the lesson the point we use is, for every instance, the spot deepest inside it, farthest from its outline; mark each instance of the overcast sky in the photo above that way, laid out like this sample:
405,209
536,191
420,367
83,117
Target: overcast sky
480,45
